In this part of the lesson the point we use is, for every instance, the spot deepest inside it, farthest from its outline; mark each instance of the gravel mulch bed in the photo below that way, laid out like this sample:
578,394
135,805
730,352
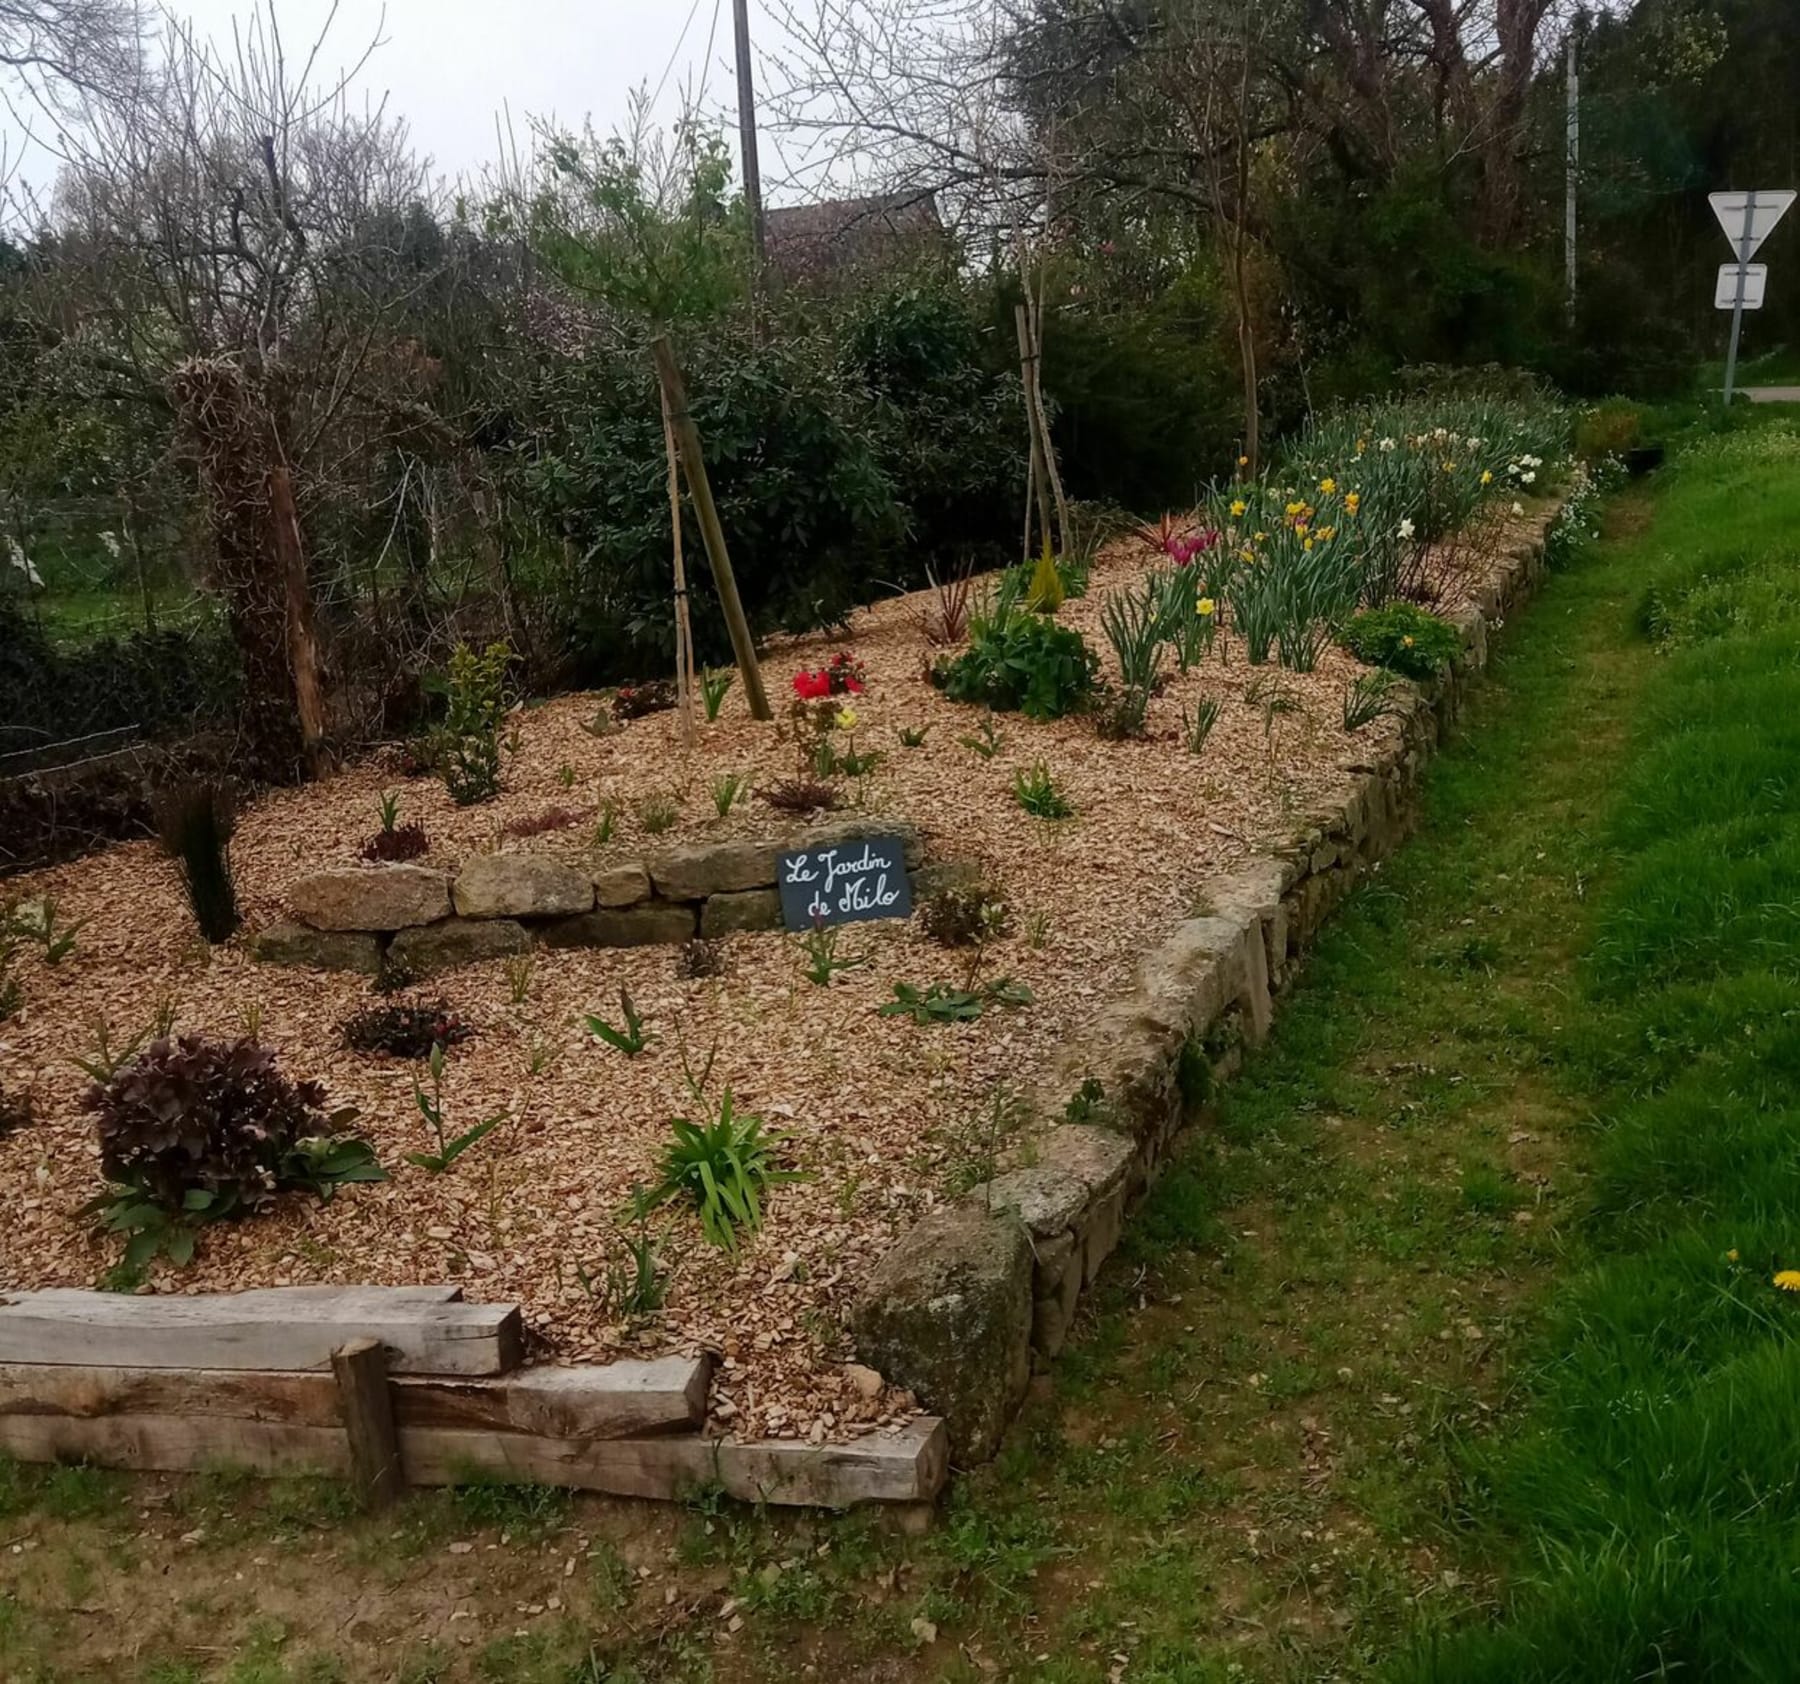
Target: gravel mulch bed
887,1117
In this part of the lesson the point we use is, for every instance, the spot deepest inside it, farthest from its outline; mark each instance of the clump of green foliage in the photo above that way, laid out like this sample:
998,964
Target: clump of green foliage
1035,790
1404,638
632,1039
431,1108
475,700
725,1166
1020,662
940,1003
193,1131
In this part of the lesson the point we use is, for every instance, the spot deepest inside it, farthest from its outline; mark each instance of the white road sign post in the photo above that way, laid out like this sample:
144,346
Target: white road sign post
1748,219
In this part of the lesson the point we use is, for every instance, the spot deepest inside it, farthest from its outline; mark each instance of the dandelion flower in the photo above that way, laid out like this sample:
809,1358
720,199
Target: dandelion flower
1788,1279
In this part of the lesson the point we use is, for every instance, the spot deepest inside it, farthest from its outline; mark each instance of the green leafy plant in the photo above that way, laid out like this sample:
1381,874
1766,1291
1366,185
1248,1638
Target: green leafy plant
565,776
1197,726
725,1166
987,742
632,1039
913,736
37,921
1020,662
1403,638
823,961
106,1061
965,914
631,1286
475,700
1134,623
1188,612
431,1108
728,789
1035,790
715,683
520,969
388,807
194,1131
657,814
940,1003
607,824
1368,697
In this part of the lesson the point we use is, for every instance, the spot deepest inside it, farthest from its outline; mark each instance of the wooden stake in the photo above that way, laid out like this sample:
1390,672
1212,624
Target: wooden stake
361,1370
1040,477
1034,321
687,437
684,634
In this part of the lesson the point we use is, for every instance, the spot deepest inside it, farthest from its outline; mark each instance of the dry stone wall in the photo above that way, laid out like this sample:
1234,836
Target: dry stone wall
1127,1085
365,917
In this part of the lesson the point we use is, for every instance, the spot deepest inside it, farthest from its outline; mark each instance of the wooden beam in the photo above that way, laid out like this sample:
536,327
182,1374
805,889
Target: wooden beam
603,1400
276,1328
907,1466
362,1384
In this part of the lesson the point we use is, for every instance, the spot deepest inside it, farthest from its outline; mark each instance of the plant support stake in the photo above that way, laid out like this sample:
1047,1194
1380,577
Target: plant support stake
693,463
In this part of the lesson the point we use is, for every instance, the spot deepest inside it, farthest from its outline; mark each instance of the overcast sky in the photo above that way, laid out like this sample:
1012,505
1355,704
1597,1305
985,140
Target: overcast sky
448,66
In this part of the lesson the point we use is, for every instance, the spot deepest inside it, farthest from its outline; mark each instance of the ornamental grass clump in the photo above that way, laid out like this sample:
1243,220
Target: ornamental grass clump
193,1131
195,822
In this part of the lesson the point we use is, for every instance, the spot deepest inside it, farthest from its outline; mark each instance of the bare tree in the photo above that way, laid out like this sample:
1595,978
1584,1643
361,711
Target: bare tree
225,243
56,49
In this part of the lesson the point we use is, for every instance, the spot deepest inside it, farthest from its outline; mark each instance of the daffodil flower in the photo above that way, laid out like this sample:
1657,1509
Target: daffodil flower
846,719
1205,607
1239,508
1328,485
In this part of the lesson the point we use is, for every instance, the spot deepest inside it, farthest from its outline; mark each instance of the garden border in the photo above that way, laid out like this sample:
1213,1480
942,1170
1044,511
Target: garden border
970,1299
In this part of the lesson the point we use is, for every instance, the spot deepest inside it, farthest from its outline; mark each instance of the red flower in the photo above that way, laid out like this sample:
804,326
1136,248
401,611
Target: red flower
809,686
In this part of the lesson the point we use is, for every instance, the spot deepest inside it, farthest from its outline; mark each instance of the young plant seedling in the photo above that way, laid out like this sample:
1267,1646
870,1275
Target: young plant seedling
714,683
823,961
632,1039
1037,793
431,1108
987,742
728,789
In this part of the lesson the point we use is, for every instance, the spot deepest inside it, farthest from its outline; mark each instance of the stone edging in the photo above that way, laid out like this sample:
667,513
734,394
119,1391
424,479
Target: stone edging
970,1298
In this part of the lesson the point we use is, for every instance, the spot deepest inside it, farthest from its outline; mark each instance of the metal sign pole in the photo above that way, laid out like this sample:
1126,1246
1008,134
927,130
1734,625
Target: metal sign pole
1737,308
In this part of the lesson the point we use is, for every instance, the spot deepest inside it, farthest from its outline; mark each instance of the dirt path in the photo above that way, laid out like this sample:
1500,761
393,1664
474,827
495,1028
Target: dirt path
1243,1468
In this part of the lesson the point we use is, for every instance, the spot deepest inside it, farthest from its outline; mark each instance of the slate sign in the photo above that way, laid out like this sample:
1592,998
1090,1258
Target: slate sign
845,883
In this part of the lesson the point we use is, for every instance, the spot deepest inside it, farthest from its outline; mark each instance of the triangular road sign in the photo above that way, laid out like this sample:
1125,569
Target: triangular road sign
1771,205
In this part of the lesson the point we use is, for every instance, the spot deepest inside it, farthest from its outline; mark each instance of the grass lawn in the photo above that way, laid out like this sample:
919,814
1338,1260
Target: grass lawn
1451,1352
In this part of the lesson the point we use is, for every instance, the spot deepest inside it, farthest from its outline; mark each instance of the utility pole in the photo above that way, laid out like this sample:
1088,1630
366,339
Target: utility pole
740,10
1573,48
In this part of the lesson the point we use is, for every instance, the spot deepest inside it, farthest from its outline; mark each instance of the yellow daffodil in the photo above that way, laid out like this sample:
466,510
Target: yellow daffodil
1788,1280
1260,537
1239,509
1295,509
1449,467
1205,607
1407,640
1247,553
1352,501
1326,534
1328,485
1731,1256
1487,476
1361,446
1307,546
846,719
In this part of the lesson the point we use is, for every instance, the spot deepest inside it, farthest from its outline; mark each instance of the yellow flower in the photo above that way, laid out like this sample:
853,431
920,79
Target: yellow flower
1407,640
1353,501
1449,467
1295,509
846,719
1243,461
1361,446
1328,485
1327,533
1260,537
1788,1280
1205,607
1239,508
1487,476
1731,1256
1307,546
1247,553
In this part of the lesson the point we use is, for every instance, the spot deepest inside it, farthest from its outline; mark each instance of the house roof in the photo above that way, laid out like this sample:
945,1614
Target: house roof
839,234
